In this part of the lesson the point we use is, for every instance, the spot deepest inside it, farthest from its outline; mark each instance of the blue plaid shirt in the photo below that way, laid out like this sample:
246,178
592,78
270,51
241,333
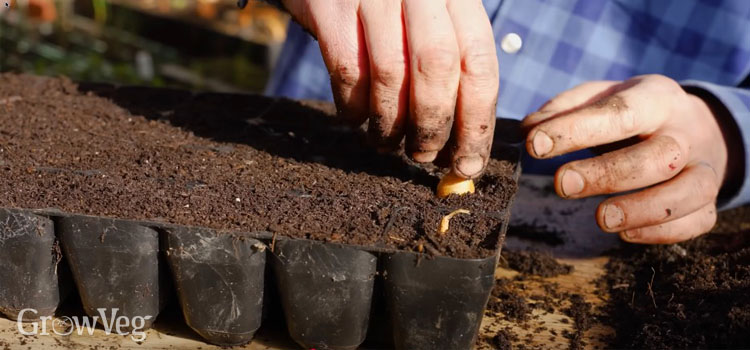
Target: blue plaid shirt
701,43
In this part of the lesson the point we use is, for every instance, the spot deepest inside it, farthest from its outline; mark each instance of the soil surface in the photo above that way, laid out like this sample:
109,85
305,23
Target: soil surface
230,162
692,295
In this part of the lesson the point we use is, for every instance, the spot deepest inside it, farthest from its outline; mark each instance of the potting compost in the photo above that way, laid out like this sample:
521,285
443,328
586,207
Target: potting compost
141,153
139,190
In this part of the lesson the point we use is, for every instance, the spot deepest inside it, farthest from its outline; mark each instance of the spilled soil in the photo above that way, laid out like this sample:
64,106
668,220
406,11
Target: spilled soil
692,295
230,162
534,263
512,300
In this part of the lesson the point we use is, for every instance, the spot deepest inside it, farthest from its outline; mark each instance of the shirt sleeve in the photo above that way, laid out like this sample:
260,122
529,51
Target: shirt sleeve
300,72
737,102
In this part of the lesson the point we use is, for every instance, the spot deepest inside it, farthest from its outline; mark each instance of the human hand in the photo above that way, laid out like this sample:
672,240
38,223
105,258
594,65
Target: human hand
677,162
408,66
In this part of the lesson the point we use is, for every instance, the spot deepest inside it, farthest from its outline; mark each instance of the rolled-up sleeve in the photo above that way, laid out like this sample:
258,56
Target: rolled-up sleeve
737,102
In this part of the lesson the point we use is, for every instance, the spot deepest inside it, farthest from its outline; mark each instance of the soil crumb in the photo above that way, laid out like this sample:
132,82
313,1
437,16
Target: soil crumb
690,295
507,301
580,312
231,162
535,263
503,339
514,301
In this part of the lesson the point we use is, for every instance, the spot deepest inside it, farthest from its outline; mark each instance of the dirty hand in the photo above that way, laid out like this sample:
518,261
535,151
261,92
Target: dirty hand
677,159
408,66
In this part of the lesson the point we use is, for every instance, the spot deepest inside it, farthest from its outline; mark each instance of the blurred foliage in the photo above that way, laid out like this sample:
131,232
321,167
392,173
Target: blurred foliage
93,40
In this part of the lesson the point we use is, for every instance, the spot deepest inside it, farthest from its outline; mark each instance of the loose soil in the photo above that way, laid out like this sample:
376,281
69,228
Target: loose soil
506,300
534,263
503,339
581,313
686,296
695,297
512,300
229,162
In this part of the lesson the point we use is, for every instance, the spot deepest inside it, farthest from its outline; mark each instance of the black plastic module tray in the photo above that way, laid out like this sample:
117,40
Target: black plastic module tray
326,290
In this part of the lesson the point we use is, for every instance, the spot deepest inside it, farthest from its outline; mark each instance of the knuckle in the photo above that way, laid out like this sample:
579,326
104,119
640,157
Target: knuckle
389,73
611,170
664,86
347,74
669,156
668,143
662,82
478,121
625,121
480,63
705,187
620,117
437,62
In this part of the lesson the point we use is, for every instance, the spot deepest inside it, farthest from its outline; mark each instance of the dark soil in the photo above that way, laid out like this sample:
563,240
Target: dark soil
506,298
581,313
535,263
507,301
230,162
512,301
503,339
695,296
687,296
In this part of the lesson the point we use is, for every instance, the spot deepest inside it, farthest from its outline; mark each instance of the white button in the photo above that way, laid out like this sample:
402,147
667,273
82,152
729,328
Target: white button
511,43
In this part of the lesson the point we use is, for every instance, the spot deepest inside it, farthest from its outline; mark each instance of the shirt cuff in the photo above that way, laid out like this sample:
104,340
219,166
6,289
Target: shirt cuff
737,102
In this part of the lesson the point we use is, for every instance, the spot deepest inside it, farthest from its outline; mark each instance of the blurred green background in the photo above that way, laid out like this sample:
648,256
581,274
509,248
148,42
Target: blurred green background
209,45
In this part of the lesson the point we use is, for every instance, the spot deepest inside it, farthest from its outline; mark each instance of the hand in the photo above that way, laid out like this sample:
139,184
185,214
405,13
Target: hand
677,160
408,66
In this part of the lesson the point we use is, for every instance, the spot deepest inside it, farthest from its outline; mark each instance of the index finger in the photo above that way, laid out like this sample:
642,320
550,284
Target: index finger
639,108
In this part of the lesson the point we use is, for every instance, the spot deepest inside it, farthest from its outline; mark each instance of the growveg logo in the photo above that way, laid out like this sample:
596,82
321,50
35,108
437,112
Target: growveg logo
64,326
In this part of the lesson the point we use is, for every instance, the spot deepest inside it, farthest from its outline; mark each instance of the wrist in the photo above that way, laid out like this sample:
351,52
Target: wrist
732,140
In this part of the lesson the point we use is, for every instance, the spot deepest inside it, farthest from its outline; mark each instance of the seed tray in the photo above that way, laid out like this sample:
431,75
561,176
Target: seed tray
327,290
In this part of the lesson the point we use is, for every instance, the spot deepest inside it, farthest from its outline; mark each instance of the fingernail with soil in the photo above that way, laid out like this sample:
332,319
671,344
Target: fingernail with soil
571,183
424,157
469,166
613,216
542,143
